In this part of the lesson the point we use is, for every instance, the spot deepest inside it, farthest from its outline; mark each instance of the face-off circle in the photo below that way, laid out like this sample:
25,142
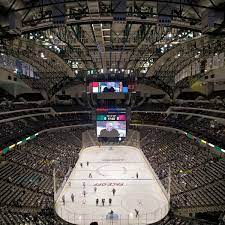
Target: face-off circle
111,170
140,202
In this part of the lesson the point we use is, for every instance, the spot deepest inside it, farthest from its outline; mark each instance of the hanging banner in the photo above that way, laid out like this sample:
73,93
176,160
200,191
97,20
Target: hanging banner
221,59
193,69
215,62
209,64
197,68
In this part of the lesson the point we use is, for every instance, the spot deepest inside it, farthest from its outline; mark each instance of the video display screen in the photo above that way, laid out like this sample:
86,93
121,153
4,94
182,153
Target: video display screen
111,122
108,87
111,129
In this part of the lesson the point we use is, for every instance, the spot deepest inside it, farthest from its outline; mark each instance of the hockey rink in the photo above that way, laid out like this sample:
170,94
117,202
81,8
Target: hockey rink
112,167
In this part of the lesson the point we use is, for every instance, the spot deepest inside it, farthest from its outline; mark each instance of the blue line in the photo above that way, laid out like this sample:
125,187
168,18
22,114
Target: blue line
90,179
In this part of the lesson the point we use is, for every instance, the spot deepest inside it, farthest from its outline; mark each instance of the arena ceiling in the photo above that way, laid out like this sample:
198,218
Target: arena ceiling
94,37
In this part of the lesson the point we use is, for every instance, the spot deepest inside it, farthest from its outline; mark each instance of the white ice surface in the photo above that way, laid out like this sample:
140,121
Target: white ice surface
112,167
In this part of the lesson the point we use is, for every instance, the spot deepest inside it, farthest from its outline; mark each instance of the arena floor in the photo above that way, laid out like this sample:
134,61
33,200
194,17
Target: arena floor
112,167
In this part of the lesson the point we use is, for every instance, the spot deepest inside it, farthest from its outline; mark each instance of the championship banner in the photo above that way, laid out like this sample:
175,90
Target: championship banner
215,62
209,64
193,69
197,68
221,59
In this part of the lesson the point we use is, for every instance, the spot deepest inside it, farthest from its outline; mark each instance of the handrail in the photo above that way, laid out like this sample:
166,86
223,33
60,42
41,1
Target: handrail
219,119
40,114
23,116
25,110
200,109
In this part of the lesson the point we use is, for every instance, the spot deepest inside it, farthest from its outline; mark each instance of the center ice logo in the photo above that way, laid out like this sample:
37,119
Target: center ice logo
108,184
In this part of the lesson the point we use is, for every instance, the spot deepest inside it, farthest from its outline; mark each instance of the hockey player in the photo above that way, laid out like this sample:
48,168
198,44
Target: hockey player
72,197
137,212
114,191
63,199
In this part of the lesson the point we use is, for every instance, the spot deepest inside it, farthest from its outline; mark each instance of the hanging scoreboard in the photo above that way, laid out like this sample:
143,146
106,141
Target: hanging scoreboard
111,123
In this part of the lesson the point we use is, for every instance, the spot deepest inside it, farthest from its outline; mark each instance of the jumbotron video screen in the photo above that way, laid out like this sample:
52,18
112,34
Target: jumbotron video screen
111,123
101,87
111,87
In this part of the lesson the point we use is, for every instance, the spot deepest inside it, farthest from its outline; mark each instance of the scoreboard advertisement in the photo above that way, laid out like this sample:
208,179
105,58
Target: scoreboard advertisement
111,123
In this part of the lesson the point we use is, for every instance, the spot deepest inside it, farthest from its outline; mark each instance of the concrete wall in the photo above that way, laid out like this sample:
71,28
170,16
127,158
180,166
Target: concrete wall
13,87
